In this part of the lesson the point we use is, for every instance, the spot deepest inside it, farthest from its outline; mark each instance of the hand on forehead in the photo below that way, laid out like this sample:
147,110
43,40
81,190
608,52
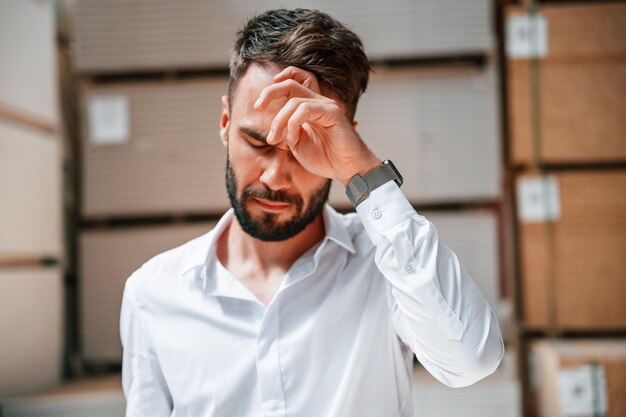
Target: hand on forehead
291,88
311,124
289,83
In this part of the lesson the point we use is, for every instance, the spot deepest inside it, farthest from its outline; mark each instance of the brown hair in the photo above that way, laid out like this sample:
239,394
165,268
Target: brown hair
308,39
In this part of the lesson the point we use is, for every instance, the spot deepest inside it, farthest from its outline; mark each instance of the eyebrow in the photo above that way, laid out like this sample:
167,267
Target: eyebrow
253,134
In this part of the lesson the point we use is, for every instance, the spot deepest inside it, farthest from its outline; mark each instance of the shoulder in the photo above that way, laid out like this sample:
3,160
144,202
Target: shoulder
162,270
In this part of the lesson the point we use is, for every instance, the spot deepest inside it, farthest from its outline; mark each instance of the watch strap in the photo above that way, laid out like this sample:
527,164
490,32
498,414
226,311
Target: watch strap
360,186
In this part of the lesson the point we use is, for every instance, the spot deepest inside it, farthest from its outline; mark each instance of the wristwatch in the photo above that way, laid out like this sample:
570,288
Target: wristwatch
360,186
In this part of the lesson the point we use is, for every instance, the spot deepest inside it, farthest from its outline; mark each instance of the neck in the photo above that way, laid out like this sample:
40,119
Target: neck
236,247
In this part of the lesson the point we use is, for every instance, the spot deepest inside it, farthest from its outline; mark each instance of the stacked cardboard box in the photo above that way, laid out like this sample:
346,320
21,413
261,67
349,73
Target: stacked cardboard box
580,377
31,324
581,253
87,397
567,145
30,192
28,88
582,85
31,296
166,157
573,261
117,36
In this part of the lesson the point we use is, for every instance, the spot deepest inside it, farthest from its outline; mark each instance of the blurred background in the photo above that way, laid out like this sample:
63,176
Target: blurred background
506,118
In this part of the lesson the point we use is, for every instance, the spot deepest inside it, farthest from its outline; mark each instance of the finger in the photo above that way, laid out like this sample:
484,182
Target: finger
304,77
282,117
285,89
309,112
280,122
295,125
322,111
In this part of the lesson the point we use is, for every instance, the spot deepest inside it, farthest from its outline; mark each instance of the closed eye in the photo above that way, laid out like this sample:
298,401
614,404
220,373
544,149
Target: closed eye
253,144
255,139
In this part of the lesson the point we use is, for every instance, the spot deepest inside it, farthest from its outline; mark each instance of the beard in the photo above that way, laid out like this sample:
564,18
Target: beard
268,228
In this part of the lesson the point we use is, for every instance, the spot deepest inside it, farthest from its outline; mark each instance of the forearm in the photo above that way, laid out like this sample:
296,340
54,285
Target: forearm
437,309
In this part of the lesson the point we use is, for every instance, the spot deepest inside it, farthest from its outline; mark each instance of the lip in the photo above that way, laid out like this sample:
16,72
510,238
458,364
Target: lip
271,206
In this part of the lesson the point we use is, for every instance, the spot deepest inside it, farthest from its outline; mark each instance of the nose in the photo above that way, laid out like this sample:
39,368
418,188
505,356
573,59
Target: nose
276,173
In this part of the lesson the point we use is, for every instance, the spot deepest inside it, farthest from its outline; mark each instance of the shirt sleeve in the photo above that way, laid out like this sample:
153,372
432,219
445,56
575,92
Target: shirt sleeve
144,386
436,307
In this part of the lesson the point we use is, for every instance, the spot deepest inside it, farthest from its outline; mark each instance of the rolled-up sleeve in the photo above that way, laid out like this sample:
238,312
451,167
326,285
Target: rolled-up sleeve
436,307
144,387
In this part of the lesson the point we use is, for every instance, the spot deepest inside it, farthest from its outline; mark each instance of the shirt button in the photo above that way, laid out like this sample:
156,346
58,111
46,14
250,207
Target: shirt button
377,214
409,268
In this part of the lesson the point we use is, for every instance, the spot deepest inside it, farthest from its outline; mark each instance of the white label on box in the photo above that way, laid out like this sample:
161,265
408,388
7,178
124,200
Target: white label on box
526,36
538,199
582,391
108,119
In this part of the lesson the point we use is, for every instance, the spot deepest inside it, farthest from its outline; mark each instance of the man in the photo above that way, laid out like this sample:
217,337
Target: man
287,308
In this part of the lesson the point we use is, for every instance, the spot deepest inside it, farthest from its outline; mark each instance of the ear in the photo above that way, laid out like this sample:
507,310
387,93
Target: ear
354,124
224,121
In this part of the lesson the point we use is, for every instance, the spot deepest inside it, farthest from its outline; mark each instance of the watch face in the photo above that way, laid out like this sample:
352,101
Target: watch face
400,180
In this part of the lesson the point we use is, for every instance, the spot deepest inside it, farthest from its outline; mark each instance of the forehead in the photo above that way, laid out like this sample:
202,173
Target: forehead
256,78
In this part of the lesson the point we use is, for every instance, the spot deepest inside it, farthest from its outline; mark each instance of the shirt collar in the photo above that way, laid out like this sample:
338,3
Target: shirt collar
204,249
205,245
336,229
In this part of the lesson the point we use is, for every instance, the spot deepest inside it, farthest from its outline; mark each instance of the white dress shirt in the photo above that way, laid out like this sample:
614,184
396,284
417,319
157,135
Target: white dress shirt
335,341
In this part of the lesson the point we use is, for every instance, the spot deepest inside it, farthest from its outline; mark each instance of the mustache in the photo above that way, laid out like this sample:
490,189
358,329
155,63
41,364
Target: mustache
276,196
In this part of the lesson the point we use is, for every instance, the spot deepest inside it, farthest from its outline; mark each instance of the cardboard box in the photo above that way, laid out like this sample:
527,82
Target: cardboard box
581,84
108,257
85,397
31,217
153,148
31,325
115,36
581,251
439,127
583,378
28,81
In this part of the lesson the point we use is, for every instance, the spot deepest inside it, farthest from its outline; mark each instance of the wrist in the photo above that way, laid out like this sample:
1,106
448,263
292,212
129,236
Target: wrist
360,186
364,166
